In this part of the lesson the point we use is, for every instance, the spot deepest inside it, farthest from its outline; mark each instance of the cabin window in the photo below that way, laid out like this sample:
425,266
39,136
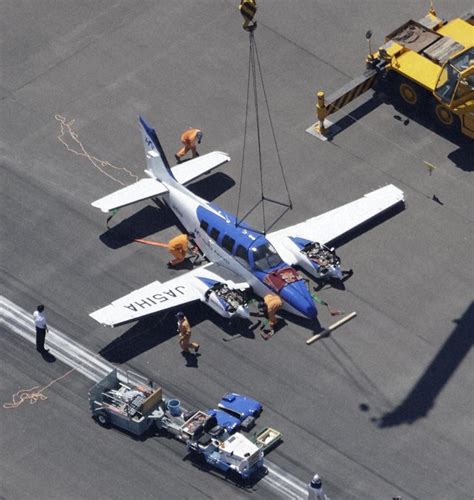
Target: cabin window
214,234
228,243
204,225
242,257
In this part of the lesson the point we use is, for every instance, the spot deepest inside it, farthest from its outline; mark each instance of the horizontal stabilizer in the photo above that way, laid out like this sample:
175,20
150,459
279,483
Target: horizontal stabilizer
190,170
141,190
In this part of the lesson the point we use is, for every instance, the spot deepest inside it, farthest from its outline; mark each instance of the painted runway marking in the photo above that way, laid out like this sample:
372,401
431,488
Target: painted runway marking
67,132
80,359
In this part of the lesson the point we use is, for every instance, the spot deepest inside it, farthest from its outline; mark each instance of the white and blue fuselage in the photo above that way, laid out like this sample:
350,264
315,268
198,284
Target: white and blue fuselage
238,248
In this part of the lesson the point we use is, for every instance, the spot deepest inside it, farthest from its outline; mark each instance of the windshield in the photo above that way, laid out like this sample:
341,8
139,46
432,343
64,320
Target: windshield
447,83
265,257
450,74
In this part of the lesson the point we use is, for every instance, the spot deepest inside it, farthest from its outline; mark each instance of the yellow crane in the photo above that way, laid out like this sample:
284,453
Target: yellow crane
429,63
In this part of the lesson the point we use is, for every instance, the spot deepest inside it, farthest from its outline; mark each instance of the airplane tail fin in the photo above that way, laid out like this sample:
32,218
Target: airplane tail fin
156,160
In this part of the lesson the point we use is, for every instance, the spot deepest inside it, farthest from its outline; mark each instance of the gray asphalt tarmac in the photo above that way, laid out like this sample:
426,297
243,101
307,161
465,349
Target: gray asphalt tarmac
384,406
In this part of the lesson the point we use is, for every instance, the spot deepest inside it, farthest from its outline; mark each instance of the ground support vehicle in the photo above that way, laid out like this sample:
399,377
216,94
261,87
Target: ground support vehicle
429,63
241,407
138,407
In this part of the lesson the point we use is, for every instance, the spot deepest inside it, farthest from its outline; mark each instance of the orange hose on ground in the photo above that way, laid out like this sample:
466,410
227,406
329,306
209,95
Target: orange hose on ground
152,243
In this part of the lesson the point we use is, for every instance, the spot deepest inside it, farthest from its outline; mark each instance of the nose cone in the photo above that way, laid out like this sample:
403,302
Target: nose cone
299,297
243,312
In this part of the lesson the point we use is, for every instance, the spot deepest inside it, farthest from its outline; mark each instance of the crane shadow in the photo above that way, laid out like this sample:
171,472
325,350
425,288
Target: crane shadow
153,219
422,397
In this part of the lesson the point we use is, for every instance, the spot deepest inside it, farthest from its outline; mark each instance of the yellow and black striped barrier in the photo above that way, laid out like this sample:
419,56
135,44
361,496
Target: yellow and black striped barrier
343,96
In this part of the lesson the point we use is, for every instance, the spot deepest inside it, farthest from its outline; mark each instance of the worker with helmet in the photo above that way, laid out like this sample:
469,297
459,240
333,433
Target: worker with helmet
184,332
272,303
188,139
178,247
315,489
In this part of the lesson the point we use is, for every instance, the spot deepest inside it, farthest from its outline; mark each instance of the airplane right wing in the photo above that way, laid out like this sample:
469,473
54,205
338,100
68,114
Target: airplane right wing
189,287
330,225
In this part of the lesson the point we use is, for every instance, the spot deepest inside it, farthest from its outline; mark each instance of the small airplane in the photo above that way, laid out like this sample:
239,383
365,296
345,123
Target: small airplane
240,258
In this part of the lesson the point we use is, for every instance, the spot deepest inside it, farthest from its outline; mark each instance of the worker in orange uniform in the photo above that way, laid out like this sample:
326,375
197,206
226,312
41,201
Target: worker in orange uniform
178,247
248,9
189,138
272,304
184,332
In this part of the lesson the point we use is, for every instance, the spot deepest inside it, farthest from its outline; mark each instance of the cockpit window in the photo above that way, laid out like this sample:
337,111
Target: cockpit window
265,257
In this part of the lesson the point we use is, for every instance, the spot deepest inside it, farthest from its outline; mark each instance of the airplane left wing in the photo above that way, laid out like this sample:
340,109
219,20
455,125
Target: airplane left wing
330,225
155,297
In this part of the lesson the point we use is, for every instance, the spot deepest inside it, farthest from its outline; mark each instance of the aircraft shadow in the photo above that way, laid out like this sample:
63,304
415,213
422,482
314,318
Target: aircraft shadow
422,397
153,219
212,186
367,226
147,221
144,335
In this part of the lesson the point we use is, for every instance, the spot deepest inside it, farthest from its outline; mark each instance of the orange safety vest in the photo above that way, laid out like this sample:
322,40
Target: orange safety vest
273,302
178,243
189,136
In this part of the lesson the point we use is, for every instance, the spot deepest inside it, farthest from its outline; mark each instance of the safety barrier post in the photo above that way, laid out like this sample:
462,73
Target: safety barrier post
322,113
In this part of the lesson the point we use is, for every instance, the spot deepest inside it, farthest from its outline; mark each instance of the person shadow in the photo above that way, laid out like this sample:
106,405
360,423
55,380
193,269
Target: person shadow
48,357
191,359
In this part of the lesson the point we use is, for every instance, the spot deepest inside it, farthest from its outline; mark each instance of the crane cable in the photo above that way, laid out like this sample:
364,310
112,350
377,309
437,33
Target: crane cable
254,67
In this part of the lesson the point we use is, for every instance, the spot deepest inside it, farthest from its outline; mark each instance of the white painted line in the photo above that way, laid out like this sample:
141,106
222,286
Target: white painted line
296,485
20,322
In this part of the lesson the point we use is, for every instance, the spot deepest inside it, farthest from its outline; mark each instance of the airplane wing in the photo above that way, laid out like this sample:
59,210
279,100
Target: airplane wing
190,170
141,190
330,225
157,297
148,188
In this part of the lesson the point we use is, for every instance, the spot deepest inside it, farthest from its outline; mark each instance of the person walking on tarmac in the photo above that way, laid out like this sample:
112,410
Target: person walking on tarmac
184,332
271,305
179,247
315,489
189,138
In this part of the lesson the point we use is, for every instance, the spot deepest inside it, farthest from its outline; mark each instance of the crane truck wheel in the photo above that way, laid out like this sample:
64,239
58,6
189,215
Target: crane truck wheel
408,93
102,419
444,115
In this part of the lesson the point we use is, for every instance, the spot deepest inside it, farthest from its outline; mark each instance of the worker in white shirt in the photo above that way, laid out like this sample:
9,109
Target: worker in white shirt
41,328
315,489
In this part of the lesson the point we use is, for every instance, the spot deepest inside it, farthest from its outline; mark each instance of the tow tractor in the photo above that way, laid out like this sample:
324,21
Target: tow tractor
429,63
139,407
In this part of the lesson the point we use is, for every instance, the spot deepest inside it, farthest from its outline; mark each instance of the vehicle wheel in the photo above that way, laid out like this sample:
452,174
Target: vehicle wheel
444,115
408,93
102,419
445,119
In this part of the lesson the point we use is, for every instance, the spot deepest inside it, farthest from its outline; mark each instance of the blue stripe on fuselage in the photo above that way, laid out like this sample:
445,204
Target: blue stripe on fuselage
296,294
